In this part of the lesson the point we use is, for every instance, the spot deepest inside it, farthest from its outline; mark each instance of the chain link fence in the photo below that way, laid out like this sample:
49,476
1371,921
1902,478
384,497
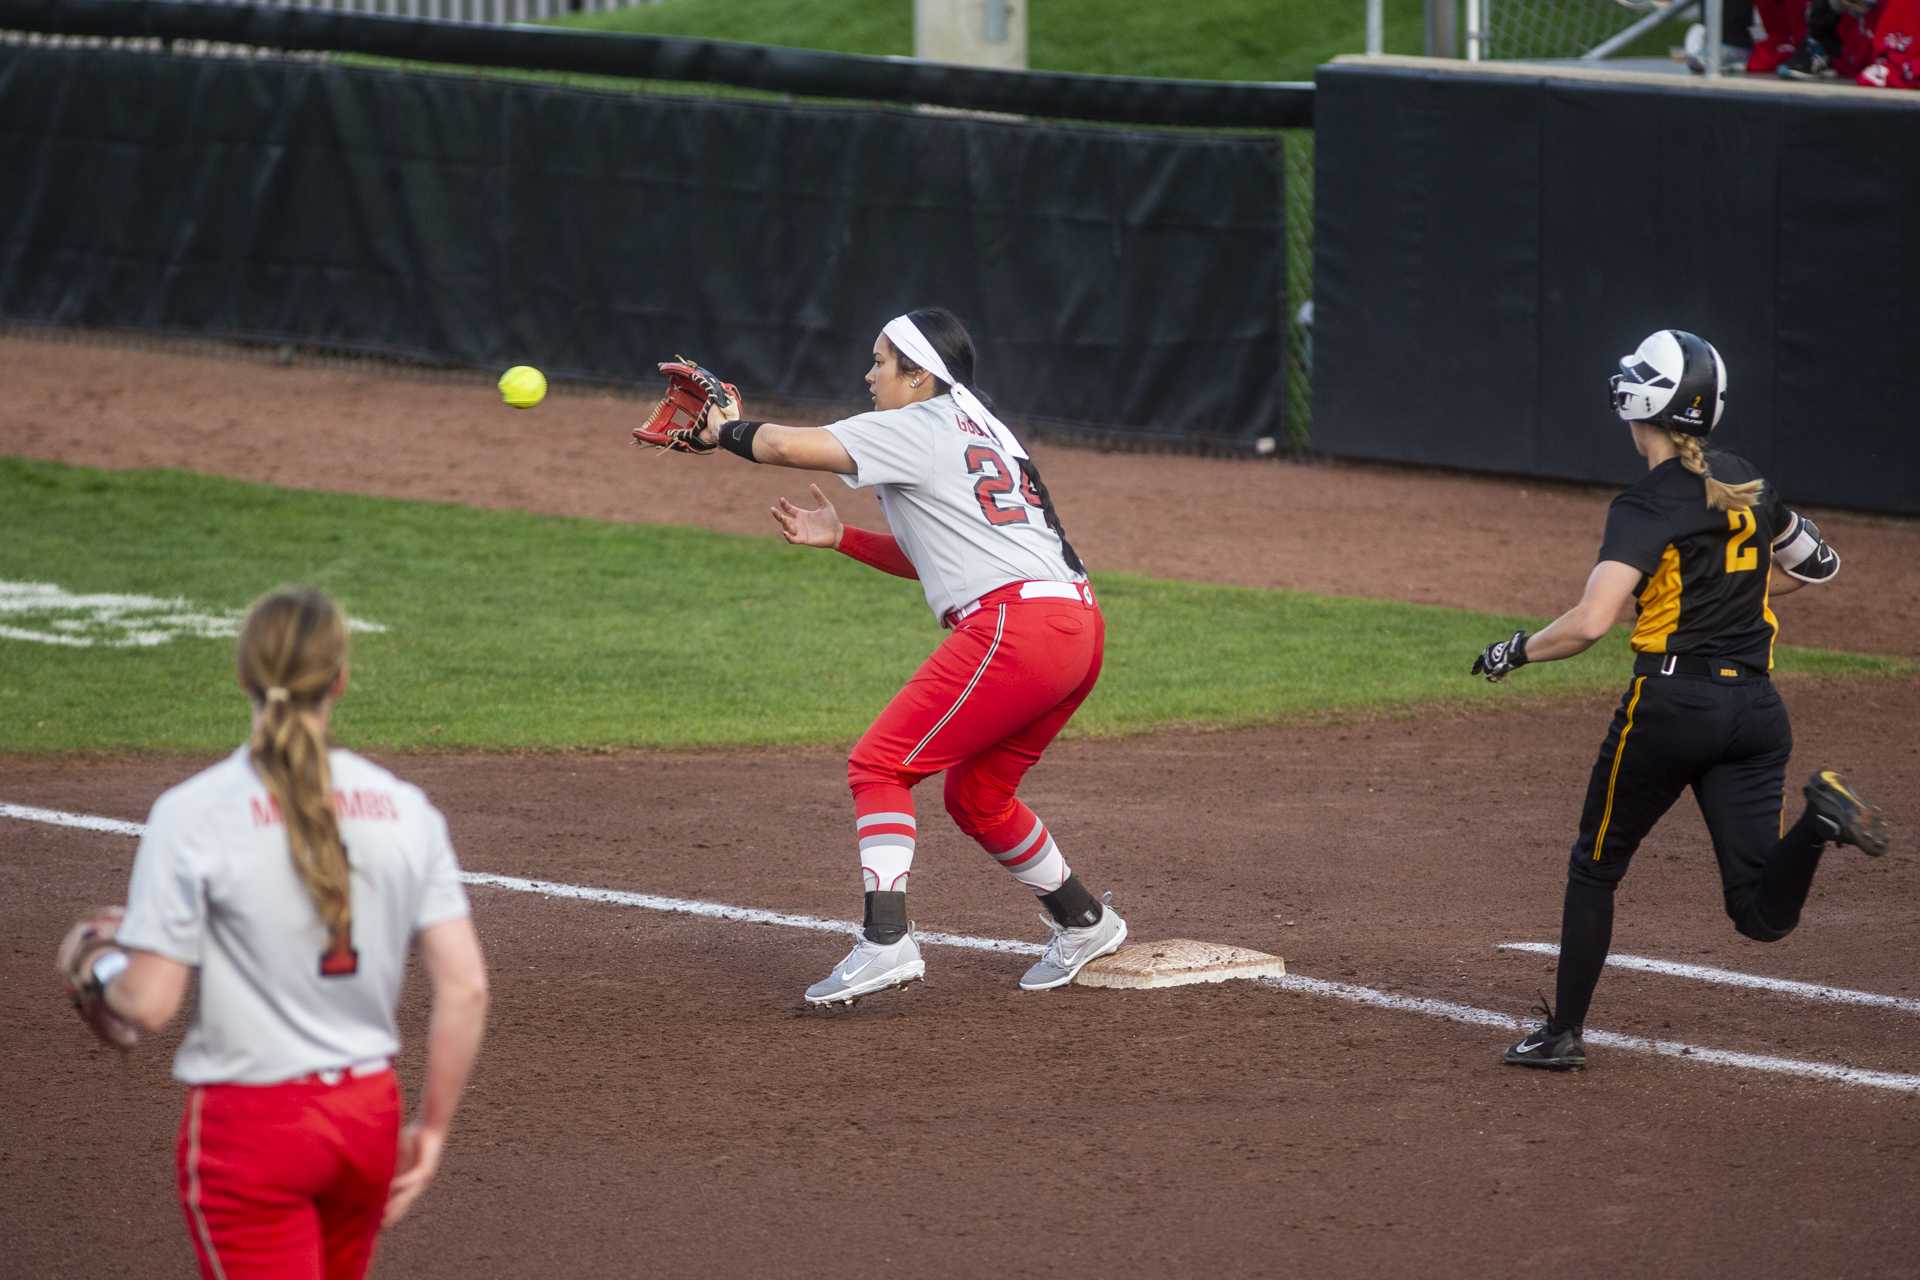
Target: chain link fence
1527,29
1536,30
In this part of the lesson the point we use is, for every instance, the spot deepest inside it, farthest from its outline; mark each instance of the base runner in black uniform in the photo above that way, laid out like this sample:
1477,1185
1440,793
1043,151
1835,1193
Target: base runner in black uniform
1694,543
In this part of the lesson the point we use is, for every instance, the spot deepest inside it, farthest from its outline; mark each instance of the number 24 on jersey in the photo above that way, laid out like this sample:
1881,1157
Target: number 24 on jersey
997,481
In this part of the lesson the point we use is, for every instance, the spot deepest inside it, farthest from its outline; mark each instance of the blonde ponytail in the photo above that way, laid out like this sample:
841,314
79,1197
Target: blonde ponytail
291,651
1721,496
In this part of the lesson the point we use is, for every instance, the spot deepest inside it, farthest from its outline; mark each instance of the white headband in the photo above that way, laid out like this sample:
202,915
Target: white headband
907,339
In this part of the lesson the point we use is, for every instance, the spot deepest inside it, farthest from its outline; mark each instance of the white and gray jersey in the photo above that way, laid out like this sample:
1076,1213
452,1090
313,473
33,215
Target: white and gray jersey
954,500
214,887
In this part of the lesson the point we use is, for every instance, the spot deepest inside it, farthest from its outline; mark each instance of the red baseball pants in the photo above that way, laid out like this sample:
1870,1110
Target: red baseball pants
982,707
288,1181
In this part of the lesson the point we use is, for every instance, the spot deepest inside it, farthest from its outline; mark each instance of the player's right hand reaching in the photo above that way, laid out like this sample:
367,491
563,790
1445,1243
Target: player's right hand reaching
818,527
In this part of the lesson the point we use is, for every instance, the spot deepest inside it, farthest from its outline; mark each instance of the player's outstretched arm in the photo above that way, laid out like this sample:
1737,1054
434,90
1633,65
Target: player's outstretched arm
1609,587
450,951
808,448
805,448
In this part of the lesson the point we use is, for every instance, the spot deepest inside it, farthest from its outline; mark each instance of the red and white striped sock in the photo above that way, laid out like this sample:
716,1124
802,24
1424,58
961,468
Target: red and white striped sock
1023,846
884,825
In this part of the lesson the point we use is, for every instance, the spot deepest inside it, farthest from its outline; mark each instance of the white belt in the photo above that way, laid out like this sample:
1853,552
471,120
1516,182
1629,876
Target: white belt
371,1067
1039,589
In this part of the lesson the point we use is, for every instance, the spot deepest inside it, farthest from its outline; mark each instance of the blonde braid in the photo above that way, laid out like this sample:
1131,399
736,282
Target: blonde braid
291,650
1721,496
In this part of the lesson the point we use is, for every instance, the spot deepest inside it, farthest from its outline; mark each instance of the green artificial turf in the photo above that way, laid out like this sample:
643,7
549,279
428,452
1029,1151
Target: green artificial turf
1208,40
1203,40
508,630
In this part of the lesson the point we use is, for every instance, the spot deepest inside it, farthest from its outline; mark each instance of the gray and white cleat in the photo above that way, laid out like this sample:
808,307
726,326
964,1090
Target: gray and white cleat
870,967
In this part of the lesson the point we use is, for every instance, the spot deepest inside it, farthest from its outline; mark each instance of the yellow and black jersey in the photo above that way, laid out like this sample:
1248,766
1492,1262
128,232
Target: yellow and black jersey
1703,585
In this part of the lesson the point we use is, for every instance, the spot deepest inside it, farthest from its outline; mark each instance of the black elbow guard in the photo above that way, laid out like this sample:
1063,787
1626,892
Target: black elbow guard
1803,553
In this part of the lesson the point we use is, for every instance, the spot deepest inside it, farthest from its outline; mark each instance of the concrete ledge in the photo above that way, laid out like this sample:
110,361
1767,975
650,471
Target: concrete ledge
1599,72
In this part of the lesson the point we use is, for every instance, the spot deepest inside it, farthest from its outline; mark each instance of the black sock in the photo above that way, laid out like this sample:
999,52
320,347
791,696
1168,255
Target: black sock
1586,932
1788,876
1071,906
886,916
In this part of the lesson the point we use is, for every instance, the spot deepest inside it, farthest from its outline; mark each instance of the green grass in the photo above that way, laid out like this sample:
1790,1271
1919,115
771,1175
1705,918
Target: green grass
1198,40
1203,40
507,630
846,26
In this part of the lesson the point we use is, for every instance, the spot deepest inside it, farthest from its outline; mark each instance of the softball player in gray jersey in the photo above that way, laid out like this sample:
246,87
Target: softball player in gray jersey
295,878
969,517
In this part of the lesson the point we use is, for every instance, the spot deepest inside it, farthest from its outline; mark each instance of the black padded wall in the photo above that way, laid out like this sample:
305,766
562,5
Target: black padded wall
487,223
1488,244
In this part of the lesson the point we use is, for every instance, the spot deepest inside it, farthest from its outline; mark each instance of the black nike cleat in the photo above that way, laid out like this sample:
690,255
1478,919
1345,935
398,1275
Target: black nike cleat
1845,816
1550,1045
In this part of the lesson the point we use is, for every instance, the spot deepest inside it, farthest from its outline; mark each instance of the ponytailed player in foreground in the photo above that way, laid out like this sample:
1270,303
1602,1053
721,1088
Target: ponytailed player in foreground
972,521
1694,544
294,876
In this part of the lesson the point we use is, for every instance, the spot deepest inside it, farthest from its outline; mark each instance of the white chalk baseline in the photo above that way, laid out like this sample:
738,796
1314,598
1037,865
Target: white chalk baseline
1734,978
1351,993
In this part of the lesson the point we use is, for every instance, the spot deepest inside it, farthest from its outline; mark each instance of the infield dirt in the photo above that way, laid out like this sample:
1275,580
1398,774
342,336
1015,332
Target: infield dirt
653,1098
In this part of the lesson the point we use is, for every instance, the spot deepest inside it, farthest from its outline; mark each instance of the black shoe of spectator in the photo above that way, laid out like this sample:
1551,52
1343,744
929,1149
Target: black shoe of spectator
1809,62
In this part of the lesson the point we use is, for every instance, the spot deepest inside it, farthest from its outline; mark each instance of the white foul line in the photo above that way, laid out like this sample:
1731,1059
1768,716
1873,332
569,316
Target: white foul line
1734,978
1834,1072
1349,992
720,911
55,818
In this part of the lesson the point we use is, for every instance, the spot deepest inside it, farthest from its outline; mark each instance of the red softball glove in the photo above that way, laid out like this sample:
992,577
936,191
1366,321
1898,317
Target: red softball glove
676,420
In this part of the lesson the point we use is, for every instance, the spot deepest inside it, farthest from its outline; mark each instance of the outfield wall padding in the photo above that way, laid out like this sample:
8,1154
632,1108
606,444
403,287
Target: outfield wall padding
487,223
812,72
1502,238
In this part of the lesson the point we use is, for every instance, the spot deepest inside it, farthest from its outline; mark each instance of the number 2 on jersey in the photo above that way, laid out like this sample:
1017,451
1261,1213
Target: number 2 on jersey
341,959
1741,558
996,480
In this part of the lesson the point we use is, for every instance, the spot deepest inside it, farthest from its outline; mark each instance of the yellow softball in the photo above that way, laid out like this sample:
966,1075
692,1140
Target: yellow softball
523,386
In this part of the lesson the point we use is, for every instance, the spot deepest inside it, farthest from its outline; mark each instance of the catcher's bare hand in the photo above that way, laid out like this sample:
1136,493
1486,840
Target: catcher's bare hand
418,1161
86,942
819,527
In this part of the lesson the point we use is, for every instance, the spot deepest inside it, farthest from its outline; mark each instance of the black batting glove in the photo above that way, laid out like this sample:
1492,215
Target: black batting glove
1501,657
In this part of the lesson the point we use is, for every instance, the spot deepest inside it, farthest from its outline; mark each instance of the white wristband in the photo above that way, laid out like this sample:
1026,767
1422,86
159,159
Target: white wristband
108,965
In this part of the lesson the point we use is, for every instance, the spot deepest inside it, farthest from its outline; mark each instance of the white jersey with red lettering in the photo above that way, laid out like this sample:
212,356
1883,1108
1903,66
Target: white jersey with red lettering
956,503
214,886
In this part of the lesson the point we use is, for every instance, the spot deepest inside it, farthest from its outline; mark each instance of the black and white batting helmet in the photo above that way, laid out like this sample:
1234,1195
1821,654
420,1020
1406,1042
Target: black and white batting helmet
1674,380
